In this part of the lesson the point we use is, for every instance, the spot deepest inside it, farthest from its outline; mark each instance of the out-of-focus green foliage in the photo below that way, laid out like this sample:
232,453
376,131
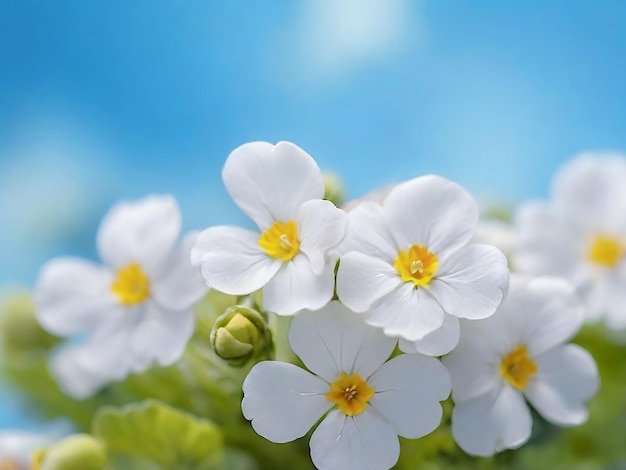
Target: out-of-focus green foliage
153,431
21,333
26,348
188,415
334,189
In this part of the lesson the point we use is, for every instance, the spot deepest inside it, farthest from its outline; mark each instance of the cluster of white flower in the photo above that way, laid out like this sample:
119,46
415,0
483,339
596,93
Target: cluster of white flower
397,271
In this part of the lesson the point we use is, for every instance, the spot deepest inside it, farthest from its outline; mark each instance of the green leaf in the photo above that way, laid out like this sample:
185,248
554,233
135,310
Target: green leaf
156,432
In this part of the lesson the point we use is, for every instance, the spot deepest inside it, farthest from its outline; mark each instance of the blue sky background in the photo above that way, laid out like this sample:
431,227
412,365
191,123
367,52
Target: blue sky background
104,100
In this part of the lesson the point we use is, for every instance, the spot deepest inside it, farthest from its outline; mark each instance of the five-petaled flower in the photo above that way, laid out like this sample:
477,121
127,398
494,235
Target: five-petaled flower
135,309
580,234
367,401
280,187
518,353
407,264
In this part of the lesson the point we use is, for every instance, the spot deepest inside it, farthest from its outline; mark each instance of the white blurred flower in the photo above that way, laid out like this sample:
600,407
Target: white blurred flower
369,401
498,233
17,449
581,234
280,187
378,195
519,353
134,309
407,264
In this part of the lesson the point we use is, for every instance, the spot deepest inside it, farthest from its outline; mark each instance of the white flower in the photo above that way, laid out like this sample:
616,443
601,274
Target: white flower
369,401
134,309
280,187
581,234
518,353
408,263
19,450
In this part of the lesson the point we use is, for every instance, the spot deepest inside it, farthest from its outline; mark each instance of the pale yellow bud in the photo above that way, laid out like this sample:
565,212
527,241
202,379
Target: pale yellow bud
241,334
77,452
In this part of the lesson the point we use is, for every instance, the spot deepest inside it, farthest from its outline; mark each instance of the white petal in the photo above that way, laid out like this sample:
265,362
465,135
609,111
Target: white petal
106,352
492,422
160,336
73,379
408,390
282,400
104,357
179,286
590,190
507,328
364,279
498,233
431,211
546,244
364,441
368,233
566,378
295,287
335,340
142,232
614,302
270,182
73,295
471,282
407,313
439,342
550,310
474,363
321,226
231,260
595,294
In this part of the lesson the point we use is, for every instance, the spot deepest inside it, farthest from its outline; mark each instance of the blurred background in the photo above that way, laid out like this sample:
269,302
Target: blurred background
103,100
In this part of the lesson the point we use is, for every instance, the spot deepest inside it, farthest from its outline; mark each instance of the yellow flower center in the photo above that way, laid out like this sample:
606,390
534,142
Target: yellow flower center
606,251
517,368
350,393
418,265
281,240
132,286
35,460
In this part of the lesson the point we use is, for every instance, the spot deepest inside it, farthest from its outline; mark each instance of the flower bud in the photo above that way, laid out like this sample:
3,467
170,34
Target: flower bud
77,451
239,335
334,189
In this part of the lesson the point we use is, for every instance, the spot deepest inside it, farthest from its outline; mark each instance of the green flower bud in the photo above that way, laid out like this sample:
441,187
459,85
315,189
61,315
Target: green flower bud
239,335
18,326
334,189
79,451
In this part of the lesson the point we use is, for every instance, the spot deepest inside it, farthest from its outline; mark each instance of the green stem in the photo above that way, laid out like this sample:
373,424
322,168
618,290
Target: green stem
280,334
